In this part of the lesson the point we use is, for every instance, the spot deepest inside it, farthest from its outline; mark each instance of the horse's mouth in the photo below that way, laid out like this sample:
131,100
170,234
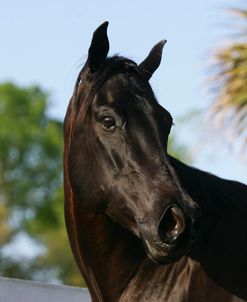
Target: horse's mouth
163,253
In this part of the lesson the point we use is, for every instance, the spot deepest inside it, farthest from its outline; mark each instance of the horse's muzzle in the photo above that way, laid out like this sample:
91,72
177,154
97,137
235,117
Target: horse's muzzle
168,240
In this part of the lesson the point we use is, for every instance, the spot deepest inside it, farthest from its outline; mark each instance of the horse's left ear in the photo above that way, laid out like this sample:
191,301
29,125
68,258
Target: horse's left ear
99,47
152,61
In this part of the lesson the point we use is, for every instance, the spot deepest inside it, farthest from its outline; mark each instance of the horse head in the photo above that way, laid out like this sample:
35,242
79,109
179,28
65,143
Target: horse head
117,155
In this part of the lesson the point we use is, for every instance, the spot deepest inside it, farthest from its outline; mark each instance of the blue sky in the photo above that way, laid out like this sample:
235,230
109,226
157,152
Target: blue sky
45,42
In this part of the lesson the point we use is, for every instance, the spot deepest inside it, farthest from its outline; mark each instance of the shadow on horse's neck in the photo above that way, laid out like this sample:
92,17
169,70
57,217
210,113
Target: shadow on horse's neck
113,255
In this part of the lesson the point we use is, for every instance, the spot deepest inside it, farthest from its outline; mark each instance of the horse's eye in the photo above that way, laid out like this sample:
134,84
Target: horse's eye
108,123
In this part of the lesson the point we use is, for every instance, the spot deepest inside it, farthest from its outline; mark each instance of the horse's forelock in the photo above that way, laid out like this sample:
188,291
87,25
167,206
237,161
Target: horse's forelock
88,84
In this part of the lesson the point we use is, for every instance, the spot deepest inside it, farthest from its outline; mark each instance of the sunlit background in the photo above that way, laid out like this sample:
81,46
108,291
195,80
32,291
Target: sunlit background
45,43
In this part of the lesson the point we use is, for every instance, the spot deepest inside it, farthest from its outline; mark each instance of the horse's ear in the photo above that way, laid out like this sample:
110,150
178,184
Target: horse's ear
99,47
152,61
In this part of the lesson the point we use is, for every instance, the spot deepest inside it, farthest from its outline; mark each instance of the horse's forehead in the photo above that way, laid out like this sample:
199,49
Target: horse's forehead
114,87
122,87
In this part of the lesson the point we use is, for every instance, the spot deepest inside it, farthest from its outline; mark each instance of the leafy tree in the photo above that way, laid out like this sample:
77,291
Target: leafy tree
31,199
230,83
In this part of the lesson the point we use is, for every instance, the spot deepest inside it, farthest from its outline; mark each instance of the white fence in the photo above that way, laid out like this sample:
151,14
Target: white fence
12,290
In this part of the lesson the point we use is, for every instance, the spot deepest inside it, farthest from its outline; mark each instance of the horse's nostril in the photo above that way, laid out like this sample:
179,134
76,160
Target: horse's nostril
171,225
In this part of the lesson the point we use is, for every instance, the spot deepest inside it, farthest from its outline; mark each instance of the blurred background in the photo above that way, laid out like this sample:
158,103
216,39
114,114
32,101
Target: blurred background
202,82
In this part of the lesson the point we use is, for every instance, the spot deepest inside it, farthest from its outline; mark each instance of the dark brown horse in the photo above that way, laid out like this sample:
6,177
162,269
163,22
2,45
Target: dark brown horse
142,225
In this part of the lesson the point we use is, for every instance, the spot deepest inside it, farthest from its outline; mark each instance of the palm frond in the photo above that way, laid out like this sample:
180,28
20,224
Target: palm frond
229,86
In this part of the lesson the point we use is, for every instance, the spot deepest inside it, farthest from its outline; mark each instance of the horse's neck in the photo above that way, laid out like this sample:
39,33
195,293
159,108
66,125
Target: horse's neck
154,282
223,203
221,247
110,255
182,281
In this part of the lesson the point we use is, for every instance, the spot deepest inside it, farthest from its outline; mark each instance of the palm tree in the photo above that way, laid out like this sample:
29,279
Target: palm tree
229,106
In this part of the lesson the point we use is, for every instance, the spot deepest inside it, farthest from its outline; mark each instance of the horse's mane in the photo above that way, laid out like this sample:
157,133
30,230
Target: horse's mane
199,181
210,191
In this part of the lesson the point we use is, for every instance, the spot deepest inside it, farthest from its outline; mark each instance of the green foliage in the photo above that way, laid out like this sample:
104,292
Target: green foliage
30,153
31,199
5,229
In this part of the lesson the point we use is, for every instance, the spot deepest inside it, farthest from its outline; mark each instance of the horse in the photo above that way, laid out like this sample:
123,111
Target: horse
142,225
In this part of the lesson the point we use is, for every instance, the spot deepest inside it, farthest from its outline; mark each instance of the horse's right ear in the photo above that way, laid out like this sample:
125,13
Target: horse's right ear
99,48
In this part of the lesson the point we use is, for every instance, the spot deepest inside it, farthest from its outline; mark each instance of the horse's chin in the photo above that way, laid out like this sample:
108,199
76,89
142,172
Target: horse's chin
166,254
164,259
